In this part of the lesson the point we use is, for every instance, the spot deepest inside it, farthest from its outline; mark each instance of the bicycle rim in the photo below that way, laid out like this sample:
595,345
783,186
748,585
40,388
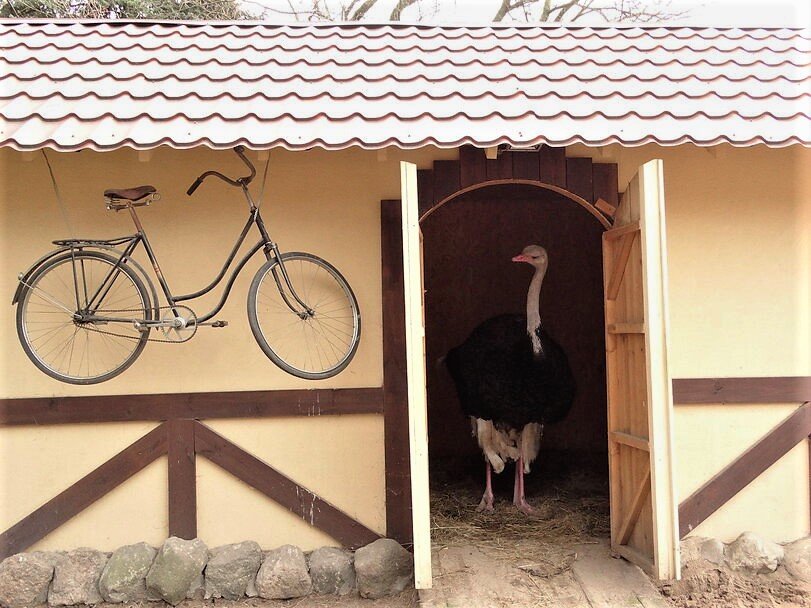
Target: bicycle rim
312,346
74,352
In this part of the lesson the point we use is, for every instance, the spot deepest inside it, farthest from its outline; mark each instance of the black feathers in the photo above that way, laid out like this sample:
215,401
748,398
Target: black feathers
498,376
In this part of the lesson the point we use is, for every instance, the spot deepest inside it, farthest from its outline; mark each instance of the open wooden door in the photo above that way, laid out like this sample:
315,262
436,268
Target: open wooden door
415,368
644,516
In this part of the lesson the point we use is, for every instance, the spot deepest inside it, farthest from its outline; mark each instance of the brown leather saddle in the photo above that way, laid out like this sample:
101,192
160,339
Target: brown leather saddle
130,194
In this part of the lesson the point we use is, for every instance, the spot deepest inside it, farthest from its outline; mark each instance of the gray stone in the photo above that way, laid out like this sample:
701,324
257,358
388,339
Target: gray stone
712,550
332,571
24,579
283,574
76,578
231,569
177,568
691,549
124,577
798,559
197,588
753,554
383,568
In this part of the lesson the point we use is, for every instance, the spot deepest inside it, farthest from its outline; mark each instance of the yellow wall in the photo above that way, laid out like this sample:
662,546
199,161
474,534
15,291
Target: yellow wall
739,231
739,261
325,203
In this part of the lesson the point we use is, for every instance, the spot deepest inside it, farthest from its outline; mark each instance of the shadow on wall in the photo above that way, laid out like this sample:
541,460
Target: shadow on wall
469,277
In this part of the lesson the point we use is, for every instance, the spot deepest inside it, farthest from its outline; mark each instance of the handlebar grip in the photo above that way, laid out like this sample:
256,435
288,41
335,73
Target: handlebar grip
194,186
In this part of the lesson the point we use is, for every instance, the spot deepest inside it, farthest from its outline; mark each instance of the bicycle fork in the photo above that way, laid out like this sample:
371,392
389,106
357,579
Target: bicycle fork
272,250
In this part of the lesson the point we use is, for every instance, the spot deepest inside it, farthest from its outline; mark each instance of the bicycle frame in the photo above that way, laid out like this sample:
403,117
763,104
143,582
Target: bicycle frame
271,250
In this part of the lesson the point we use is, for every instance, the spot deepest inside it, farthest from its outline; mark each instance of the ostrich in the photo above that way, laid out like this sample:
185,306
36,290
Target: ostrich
512,378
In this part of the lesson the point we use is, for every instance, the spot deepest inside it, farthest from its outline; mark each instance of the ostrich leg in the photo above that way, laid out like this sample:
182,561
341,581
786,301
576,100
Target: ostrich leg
518,490
486,503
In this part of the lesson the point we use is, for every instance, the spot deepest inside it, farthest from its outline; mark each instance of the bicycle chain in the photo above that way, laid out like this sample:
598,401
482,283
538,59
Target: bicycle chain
110,333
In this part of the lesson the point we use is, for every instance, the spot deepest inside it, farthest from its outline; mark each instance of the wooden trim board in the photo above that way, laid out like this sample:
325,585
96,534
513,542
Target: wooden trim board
84,492
295,498
782,389
239,404
743,470
395,389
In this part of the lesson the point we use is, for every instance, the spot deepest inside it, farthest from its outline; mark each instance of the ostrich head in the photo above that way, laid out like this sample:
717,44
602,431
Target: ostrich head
534,255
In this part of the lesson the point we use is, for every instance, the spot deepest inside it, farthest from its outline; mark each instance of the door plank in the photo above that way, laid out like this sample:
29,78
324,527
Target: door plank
620,263
626,328
415,369
633,441
641,495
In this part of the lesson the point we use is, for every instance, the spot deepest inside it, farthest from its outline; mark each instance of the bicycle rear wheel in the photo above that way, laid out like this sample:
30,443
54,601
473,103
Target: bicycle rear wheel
50,327
313,343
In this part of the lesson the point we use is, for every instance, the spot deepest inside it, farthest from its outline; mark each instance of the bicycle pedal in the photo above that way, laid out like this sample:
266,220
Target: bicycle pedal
220,324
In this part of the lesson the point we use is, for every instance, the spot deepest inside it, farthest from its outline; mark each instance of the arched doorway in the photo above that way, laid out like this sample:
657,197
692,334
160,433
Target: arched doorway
469,240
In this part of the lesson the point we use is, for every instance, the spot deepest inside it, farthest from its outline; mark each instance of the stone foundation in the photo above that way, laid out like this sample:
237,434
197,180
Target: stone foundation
182,569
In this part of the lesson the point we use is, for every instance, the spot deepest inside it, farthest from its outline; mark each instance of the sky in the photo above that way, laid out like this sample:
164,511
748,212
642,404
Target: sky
740,13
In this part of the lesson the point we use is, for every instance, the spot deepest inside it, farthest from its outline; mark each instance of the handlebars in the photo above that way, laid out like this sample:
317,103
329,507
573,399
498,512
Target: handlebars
240,182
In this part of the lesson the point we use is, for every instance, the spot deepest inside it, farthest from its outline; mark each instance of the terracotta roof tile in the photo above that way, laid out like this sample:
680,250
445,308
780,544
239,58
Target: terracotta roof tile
104,85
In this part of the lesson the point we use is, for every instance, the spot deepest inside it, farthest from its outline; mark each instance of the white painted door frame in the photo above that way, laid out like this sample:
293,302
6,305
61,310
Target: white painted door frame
415,369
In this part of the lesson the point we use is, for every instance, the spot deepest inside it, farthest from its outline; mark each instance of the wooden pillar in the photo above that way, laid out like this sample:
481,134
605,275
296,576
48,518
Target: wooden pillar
395,387
182,479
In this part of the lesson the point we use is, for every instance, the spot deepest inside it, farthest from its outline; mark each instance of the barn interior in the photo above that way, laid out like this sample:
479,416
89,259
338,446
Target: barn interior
469,277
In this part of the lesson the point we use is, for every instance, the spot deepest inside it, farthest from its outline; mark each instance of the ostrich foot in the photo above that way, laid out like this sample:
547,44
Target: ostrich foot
518,489
525,508
487,498
486,504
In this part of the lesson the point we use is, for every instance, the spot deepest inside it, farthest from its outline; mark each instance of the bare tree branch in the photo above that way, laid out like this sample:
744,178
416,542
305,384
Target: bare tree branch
397,12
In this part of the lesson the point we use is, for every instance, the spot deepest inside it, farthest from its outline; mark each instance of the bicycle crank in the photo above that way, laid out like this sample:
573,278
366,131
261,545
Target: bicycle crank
178,324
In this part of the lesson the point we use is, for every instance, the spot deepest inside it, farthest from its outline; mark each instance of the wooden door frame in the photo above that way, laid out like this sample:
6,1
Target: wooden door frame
593,187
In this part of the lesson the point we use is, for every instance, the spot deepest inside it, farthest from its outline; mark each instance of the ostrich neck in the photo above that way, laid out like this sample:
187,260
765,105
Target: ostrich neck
534,308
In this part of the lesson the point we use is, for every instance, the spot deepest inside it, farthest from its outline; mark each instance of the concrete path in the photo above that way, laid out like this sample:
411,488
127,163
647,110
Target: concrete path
467,577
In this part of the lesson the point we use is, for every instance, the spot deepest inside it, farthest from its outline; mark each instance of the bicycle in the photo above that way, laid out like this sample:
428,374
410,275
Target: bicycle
86,309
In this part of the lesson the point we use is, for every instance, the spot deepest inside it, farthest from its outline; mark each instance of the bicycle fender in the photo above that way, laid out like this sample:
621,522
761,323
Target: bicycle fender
23,277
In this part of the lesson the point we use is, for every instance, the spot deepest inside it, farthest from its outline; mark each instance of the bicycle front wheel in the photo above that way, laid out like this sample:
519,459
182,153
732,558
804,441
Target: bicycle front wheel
311,332
59,334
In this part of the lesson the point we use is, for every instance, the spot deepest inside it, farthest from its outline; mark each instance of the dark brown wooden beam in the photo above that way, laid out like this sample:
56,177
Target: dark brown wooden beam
297,499
395,383
578,178
553,165
425,190
526,165
786,389
83,493
744,470
182,479
240,404
447,178
605,183
500,167
473,166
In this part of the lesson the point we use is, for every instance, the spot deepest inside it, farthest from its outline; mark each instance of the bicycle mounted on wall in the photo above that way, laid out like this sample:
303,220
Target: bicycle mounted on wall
85,310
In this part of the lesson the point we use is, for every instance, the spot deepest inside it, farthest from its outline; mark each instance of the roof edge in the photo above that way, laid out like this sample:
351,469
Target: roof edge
399,24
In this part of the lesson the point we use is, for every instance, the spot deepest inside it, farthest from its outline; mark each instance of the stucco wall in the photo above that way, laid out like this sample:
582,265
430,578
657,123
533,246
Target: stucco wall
739,256
739,231
325,203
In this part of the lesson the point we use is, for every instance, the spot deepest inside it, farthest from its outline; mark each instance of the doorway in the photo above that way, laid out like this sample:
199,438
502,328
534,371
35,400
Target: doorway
468,245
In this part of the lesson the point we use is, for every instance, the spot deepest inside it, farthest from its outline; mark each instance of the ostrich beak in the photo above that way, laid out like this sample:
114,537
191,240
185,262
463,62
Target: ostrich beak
521,258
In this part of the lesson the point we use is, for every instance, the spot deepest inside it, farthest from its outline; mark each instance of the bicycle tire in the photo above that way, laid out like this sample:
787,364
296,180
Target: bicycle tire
325,326
26,316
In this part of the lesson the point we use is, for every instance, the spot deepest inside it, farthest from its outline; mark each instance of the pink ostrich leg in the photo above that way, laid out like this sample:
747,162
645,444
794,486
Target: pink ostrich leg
486,503
518,489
